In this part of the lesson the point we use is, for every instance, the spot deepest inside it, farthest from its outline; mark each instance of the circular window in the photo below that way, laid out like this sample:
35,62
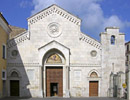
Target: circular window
93,53
54,29
14,53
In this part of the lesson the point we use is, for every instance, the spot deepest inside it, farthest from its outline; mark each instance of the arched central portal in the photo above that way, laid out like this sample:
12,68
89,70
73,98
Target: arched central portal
54,62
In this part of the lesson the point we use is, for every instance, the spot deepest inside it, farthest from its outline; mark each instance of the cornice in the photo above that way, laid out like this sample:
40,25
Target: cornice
18,39
54,9
90,41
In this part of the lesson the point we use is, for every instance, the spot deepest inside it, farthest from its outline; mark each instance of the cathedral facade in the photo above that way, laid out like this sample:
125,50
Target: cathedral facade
54,58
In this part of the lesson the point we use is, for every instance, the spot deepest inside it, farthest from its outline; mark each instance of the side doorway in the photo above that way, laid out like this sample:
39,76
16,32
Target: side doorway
14,84
94,84
14,88
93,88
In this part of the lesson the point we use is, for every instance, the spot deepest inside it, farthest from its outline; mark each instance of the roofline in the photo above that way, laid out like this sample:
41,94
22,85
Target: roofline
113,27
127,42
18,27
50,7
18,35
90,37
5,23
3,18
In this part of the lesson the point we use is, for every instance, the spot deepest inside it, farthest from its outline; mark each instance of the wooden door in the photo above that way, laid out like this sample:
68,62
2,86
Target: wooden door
54,78
93,88
14,88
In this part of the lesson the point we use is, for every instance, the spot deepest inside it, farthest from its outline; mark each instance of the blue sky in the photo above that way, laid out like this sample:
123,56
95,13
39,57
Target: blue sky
95,14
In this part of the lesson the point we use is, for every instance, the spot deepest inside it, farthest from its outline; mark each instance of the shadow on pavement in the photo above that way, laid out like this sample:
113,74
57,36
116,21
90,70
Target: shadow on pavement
58,98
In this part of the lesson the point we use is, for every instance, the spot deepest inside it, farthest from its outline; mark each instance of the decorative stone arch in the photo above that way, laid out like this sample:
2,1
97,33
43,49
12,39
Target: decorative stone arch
54,45
54,56
16,71
93,71
63,53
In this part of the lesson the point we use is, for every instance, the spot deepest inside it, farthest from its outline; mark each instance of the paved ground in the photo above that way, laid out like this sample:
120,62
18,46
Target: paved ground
90,98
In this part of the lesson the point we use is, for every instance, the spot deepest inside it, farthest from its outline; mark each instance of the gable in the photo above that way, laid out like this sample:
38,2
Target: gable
44,25
54,9
53,43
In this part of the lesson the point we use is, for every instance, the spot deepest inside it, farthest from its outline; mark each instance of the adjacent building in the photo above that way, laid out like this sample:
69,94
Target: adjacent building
128,69
15,31
127,45
54,58
127,53
4,32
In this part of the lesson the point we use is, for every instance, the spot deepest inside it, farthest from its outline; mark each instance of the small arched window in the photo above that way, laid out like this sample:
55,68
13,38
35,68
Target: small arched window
113,40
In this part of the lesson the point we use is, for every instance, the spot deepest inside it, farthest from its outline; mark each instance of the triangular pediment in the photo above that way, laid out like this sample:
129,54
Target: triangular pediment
54,9
53,44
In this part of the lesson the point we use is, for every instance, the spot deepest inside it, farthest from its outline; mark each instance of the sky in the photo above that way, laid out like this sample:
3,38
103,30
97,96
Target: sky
95,14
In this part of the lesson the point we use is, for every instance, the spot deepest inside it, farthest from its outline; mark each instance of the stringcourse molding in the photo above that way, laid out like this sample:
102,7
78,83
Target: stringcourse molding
84,65
90,41
23,64
54,9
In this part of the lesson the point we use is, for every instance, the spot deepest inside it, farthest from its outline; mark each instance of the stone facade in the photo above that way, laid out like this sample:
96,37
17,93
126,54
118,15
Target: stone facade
54,40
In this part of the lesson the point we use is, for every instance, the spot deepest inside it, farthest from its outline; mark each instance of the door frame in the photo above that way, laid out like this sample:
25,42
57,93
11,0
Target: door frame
47,49
65,78
12,78
99,86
